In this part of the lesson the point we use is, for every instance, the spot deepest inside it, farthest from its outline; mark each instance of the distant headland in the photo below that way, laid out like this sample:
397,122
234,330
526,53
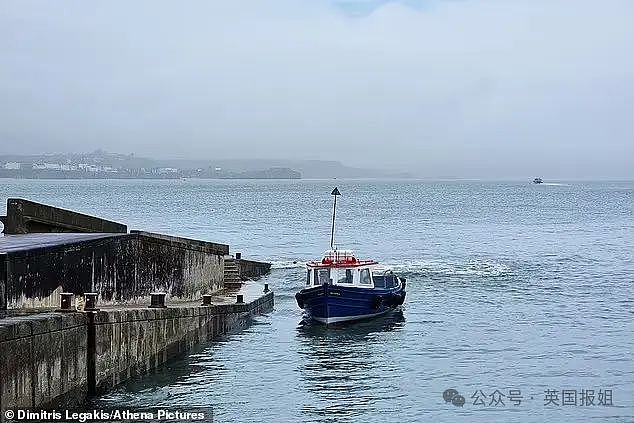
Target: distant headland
105,165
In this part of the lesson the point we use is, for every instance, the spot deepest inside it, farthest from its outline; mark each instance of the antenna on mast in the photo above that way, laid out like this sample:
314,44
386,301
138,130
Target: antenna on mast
335,192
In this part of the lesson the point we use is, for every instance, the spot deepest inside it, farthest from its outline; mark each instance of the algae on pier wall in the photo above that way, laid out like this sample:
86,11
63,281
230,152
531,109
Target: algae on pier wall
122,269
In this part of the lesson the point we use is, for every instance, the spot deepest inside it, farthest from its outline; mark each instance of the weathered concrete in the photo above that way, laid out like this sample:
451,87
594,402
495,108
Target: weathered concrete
238,270
132,341
249,269
57,359
3,280
43,360
121,268
24,216
232,277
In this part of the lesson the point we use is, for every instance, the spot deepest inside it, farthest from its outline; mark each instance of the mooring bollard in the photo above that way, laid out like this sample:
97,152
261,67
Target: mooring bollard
238,256
266,287
206,300
239,299
90,301
157,300
66,302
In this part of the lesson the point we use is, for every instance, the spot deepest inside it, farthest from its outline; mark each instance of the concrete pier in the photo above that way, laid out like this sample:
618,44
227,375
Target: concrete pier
248,269
52,358
42,359
57,359
238,270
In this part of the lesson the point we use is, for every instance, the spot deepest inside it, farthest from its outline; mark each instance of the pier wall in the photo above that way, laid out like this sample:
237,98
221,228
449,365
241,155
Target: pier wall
130,342
58,359
248,269
122,269
3,281
44,360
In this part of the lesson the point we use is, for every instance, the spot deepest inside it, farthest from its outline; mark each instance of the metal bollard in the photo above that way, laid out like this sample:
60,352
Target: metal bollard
266,287
239,299
206,300
238,256
90,301
157,300
66,302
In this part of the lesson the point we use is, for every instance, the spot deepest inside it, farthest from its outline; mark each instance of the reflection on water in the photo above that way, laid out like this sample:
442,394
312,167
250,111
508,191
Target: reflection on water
357,331
340,363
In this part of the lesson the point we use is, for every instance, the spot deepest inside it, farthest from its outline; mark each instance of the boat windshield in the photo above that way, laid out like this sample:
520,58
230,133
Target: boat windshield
365,277
345,276
322,276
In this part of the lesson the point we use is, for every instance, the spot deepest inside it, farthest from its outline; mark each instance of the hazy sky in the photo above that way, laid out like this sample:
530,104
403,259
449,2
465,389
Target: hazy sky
472,88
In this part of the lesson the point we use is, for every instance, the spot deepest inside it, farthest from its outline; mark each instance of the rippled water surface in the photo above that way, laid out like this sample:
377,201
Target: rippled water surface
511,286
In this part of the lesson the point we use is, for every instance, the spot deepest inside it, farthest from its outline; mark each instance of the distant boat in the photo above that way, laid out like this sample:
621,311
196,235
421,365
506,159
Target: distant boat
538,181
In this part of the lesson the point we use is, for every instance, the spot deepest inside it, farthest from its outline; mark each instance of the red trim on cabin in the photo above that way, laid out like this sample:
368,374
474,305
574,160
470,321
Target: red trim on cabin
329,260
326,262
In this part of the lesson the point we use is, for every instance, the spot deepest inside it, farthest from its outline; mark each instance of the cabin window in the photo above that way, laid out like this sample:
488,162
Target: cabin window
345,277
365,277
308,277
322,276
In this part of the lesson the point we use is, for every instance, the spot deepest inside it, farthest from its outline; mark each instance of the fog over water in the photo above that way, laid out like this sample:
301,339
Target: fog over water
474,88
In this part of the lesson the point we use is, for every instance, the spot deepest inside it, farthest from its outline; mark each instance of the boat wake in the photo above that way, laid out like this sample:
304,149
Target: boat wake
288,264
474,267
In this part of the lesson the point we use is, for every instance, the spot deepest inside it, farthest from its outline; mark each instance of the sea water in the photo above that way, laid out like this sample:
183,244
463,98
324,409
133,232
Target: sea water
519,296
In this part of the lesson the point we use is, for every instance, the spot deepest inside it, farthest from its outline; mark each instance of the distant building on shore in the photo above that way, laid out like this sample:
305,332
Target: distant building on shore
101,165
12,166
47,166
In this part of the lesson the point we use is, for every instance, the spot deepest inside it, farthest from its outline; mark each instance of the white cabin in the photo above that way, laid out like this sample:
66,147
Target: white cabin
340,267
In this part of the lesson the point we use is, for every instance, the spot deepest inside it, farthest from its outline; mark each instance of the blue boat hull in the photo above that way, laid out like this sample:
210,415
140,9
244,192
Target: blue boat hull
335,303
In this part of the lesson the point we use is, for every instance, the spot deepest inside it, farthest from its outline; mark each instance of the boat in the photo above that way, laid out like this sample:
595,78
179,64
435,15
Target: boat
538,181
342,288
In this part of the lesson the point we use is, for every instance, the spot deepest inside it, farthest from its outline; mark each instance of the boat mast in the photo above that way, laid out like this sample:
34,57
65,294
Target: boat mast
335,192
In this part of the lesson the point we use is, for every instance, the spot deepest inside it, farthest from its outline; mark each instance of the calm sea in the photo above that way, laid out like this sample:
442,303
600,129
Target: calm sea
519,296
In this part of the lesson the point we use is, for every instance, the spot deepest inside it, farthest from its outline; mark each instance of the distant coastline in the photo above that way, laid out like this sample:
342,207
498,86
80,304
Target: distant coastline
104,165
272,173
